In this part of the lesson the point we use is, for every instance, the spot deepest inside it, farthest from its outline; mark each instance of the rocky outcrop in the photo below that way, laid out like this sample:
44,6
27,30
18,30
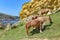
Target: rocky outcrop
15,24
8,26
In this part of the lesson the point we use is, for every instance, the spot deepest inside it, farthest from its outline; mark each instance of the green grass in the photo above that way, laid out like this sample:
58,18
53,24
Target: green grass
51,32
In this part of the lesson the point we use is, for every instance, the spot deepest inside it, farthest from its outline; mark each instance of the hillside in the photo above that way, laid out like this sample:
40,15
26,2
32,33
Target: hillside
6,16
51,32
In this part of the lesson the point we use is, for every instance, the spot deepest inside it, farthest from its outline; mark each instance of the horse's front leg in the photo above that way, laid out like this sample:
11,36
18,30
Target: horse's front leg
27,30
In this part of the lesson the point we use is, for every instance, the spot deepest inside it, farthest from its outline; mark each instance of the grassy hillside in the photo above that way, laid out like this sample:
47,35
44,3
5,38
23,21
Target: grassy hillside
51,32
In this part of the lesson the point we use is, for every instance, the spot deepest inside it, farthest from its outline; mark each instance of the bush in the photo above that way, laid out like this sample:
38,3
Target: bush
21,23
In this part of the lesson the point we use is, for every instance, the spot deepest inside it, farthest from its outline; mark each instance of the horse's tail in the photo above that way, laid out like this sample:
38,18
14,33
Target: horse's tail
50,20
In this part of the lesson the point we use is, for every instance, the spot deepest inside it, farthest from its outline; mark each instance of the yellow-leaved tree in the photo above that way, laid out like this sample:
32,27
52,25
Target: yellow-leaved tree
34,6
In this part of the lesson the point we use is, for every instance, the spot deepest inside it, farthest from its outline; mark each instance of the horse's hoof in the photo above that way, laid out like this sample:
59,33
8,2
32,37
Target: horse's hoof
40,31
27,36
34,28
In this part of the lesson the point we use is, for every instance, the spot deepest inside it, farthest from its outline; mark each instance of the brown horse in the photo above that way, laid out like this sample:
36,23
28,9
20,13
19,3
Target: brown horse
33,23
37,22
43,19
43,11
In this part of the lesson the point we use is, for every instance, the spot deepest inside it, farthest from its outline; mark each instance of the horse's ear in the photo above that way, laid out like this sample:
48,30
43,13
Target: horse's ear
32,18
36,17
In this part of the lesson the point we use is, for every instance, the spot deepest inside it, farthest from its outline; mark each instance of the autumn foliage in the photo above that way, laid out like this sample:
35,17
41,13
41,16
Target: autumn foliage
34,6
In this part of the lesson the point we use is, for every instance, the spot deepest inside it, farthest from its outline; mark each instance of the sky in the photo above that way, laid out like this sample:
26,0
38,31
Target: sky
11,7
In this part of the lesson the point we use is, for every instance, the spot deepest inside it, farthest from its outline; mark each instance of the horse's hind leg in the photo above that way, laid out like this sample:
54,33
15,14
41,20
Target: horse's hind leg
40,28
43,25
50,20
40,31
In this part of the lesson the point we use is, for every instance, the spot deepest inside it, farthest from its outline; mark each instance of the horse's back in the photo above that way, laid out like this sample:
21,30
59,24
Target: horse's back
34,22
